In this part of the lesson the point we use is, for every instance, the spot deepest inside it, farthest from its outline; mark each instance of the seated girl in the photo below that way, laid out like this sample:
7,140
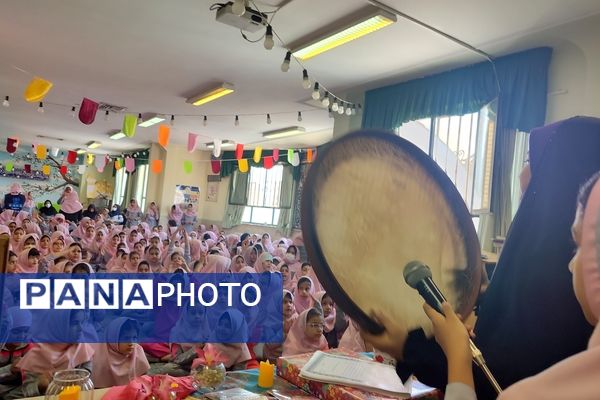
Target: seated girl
61,329
236,356
304,299
306,334
289,283
352,340
16,347
118,363
28,261
329,316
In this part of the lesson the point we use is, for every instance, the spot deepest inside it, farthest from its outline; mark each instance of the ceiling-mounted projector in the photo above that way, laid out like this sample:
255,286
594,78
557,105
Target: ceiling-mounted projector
250,21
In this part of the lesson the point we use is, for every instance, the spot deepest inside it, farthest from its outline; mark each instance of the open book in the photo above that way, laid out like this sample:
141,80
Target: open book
362,374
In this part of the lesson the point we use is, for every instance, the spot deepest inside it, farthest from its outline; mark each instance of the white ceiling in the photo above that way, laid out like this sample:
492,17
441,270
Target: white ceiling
150,55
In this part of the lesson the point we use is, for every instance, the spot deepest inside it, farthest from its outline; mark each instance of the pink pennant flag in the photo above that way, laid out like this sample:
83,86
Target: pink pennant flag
275,155
100,162
192,142
129,164
216,166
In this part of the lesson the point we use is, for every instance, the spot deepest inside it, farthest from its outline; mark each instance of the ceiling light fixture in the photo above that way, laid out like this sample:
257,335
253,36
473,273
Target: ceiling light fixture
285,132
353,27
224,143
213,94
93,144
117,135
269,42
150,120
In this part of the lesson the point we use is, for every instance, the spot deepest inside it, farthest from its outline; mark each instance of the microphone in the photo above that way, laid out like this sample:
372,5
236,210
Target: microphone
418,276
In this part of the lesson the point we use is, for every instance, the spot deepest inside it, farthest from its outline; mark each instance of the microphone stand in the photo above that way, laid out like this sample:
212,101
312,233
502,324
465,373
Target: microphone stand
480,362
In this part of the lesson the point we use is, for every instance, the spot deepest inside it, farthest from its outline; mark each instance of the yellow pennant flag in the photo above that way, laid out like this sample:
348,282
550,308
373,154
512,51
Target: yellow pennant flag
46,169
41,152
243,165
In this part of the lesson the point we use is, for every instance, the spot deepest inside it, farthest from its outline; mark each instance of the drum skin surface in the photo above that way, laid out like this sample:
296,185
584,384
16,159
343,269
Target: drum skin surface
373,202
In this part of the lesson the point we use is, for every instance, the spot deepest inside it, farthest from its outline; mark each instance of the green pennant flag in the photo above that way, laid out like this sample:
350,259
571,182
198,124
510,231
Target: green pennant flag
129,124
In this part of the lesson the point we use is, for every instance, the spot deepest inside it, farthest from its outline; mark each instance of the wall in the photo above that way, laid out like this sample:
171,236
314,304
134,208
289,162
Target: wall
161,187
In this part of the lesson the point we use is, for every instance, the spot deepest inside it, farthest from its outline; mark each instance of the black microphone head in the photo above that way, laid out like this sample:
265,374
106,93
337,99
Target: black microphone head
414,272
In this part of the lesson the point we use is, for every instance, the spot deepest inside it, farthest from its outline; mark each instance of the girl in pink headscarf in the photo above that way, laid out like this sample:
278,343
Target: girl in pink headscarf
216,264
153,257
28,261
88,238
110,246
306,334
175,215
81,227
70,205
292,259
329,315
304,298
60,224
189,218
44,246
133,213
353,341
274,350
576,377
152,215
115,364
15,239
267,243
239,266
41,362
289,283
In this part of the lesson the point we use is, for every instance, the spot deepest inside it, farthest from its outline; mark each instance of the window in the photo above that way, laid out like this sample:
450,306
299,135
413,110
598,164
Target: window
141,185
120,186
463,146
263,205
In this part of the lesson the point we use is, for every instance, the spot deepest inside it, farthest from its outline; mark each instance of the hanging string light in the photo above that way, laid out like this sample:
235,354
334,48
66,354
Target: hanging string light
172,120
269,119
237,121
299,116
6,103
334,106
40,108
341,108
348,110
269,42
205,121
73,112
330,112
285,65
316,94
305,80
139,121
325,100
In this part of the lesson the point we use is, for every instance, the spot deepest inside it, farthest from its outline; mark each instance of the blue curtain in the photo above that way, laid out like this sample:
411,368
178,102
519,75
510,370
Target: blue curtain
523,79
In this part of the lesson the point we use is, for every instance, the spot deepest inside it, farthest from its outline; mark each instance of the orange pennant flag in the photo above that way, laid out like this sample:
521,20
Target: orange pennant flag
164,131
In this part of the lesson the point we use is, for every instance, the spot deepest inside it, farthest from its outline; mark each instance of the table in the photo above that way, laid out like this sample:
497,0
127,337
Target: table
98,393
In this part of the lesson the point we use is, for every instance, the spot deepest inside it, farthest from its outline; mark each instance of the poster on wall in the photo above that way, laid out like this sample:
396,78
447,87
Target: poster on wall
185,194
24,168
212,191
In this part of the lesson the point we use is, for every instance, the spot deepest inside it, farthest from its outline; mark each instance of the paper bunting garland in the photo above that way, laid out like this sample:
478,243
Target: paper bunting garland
71,157
81,169
129,124
275,155
129,164
164,131
243,165
12,144
192,142
239,151
118,164
215,166
41,152
54,152
295,159
268,162
90,158
309,155
46,169
64,170
257,154
187,166
87,111
290,155
9,166
27,168
217,148
100,163
156,166
37,89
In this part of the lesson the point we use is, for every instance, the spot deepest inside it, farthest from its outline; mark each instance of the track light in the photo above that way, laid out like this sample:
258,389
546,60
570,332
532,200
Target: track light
6,103
269,42
285,65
